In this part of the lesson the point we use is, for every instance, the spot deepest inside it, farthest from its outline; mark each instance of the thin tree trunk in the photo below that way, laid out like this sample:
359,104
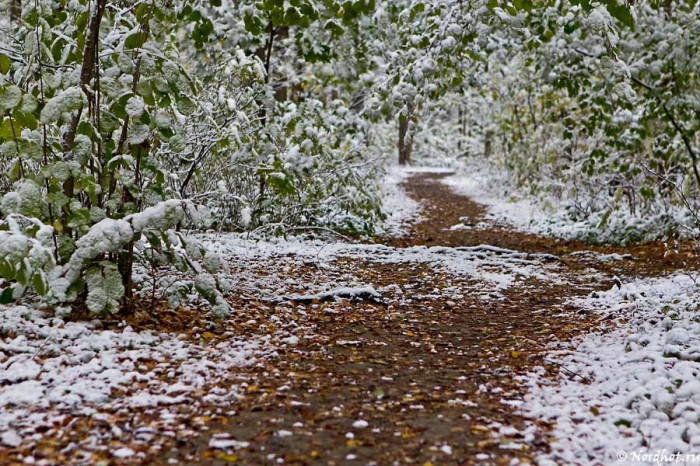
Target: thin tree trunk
15,10
268,70
405,139
268,66
87,71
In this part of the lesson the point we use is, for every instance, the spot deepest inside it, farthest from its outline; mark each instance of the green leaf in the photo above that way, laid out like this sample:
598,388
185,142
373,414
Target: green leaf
135,40
7,271
40,283
7,296
9,130
252,24
142,12
417,8
22,273
523,5
10,97
201,32
620,12
335,29
25,120
604,220
5,64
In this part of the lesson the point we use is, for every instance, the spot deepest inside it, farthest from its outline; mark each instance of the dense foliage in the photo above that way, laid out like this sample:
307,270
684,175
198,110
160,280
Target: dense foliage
596,106
126,123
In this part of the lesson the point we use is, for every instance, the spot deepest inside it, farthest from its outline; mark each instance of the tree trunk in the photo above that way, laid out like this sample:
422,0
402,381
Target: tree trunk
15,10
266,55
87,71
405,140
487,144
462,128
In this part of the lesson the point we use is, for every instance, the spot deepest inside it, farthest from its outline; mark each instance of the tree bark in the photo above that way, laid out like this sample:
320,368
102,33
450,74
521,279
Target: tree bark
87,71
405,139
15,10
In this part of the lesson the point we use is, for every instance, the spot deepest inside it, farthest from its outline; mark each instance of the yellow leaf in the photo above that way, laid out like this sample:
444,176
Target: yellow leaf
477,429
515,354
228,458
58,226
352,443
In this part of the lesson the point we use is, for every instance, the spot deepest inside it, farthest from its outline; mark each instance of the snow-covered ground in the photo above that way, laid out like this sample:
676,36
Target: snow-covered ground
52,371
497,268
632,391
632,388
551,216
399,208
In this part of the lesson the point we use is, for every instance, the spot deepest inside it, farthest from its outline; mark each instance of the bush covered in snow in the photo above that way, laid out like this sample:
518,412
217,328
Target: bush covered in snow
578,105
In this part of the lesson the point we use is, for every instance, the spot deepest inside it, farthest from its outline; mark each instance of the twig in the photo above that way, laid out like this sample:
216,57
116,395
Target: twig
584,378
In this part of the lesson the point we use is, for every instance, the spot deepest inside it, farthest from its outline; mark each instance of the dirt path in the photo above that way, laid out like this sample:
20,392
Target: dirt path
432,380
431,372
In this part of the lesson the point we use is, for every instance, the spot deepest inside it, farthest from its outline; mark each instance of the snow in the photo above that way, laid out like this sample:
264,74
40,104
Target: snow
545,214
50,368
521,213
338,293
20,371
123,453
65,101
360,424
222,442
637,385
499,269
160,217
105,236
399,208
10,438
135,107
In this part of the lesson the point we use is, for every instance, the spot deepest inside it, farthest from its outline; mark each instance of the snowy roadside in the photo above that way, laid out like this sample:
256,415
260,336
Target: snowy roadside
139,386
54,372
399,208
632,390
550,216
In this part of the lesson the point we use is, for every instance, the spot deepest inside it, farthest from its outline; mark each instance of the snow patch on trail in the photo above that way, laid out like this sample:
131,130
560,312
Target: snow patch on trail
50,369
398,206
498,268
633,389
521,213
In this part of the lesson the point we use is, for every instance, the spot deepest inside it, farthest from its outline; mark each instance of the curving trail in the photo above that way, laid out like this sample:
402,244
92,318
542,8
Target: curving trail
433,375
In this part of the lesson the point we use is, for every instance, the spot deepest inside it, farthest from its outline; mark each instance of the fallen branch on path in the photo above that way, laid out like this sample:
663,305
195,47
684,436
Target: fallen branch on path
360,294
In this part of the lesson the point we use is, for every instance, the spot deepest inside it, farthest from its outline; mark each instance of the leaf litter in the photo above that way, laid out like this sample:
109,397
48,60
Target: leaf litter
419,349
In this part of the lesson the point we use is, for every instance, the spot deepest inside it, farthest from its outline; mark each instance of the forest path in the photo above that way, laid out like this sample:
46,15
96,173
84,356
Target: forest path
431,373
